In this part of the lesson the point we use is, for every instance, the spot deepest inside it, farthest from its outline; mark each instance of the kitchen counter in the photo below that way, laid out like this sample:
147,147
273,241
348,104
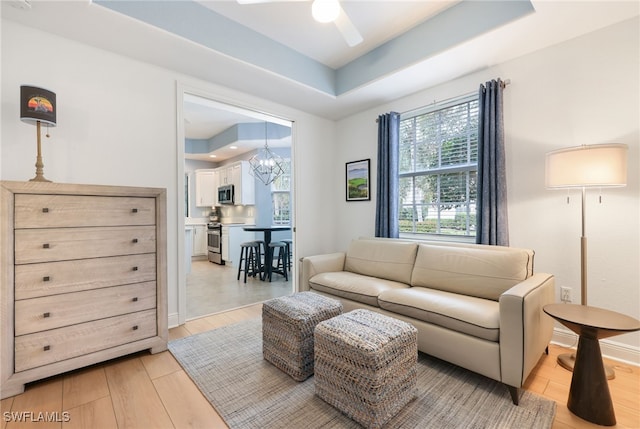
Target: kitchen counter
195,221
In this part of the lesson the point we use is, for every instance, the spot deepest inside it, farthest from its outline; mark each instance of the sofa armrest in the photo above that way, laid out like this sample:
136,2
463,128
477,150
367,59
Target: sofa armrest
312,265
525,330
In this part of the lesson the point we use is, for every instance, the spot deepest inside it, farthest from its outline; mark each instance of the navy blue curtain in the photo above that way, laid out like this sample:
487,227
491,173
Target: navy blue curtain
387,191
492,222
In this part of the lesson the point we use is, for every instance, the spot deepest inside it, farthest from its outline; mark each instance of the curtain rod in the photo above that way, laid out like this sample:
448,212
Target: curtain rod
447,100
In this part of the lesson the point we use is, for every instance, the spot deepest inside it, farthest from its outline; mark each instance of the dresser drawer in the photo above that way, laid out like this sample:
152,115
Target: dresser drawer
42,348
49,278
54,211
63,244
83,271
49,312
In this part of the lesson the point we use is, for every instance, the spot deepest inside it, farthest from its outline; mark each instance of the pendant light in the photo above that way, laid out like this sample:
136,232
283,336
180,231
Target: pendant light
266,165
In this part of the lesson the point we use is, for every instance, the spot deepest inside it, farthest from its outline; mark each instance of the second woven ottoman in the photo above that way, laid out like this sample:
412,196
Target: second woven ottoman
287,330
365,365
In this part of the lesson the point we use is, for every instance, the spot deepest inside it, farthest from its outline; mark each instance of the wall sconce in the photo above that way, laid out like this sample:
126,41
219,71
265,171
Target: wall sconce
38,105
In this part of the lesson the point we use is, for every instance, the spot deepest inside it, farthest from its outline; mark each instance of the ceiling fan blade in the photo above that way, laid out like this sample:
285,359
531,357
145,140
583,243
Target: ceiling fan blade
349,31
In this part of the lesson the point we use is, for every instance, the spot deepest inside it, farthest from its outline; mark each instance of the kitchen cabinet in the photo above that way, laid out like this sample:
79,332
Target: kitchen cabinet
244,183
232,236
217,182
225,175
85,279
206,188
199,240
224,238
238,175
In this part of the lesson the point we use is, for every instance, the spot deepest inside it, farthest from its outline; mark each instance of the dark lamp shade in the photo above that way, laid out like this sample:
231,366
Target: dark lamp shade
37,104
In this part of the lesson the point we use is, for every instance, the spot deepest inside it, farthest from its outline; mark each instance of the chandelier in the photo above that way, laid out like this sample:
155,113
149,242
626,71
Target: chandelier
266,165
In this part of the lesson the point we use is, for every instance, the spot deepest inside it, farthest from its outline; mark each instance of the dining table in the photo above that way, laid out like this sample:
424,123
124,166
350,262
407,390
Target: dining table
268,252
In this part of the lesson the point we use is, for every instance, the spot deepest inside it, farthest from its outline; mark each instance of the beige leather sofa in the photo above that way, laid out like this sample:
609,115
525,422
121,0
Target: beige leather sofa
479,307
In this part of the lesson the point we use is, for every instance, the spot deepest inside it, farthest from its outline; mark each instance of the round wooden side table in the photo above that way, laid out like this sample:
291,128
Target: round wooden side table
589,396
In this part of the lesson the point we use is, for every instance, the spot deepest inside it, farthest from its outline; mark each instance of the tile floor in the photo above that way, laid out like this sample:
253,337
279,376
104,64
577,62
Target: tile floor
213,288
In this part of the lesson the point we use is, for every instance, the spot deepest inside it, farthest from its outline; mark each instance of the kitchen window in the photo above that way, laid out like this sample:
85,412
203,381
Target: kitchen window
438,169
281,196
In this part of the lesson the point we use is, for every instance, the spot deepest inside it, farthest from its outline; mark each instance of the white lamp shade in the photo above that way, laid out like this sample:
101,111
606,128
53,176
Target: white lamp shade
601,165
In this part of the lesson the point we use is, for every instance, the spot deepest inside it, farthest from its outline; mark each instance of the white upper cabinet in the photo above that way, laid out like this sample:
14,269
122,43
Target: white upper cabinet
217,182
206,188
237,174
244,183
225,175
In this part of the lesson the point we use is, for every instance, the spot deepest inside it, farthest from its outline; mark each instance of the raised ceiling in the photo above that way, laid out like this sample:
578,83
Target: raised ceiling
291,24
216,132
461,22
274,51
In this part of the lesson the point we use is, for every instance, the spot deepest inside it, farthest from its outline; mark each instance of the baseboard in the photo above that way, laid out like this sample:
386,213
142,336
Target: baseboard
610,349
173,320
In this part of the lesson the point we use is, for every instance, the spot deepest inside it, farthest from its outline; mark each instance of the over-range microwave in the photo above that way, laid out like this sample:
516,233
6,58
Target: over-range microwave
225,194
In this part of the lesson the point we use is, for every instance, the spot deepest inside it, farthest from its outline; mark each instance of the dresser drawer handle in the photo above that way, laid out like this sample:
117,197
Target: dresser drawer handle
47,348
135,240
135,299
135,327
45,210
46,279
45,246
135,268
47,314
134,210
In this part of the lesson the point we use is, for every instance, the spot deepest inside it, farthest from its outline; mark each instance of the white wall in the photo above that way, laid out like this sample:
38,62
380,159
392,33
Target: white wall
117,126
583,91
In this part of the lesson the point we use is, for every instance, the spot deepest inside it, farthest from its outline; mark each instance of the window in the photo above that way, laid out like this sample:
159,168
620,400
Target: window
438,169
281,196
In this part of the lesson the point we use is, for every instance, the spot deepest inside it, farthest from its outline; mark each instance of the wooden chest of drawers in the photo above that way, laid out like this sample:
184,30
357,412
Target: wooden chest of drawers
83,277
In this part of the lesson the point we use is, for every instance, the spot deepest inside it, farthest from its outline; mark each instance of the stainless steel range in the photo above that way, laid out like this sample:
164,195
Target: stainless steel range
214,243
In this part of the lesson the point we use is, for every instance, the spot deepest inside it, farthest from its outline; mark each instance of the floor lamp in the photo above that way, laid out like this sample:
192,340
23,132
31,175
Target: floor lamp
589,166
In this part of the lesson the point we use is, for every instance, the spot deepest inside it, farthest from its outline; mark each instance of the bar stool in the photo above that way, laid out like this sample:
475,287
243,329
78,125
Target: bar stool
250,255
289,244
283,259
259,253
262,254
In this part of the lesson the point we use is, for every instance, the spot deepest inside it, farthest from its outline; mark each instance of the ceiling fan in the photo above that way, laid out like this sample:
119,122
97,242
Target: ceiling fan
327,11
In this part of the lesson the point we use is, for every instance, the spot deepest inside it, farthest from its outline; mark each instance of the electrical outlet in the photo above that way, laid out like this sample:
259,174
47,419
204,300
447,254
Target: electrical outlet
565,294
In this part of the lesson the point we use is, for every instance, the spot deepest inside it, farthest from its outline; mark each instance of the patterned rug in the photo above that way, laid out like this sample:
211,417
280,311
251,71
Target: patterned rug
248,392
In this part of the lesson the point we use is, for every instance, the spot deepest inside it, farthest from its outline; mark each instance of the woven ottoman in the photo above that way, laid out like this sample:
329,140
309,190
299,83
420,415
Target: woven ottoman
365,365
287,330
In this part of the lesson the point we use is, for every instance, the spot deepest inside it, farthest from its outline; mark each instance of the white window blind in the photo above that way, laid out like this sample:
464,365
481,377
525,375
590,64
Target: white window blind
438,169
281,196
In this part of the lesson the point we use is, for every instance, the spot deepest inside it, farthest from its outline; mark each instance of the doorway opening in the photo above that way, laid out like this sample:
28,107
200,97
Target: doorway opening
213,137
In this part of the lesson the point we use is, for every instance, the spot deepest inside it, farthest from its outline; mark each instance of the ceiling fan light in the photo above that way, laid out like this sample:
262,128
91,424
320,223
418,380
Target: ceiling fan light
325,10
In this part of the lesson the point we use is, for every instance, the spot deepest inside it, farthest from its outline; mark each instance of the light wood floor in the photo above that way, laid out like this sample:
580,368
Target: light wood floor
152,391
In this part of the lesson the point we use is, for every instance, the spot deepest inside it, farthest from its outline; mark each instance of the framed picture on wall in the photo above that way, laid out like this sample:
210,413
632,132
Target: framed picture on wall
358,179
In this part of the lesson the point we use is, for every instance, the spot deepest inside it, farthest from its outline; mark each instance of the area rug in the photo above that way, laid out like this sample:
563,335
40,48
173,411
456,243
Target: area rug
248,392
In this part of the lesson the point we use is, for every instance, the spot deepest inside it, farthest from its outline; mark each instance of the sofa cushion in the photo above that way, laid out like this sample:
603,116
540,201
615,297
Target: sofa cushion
383,259
469,315
478,272
353,286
